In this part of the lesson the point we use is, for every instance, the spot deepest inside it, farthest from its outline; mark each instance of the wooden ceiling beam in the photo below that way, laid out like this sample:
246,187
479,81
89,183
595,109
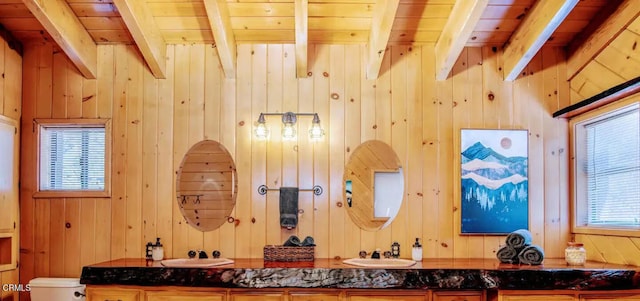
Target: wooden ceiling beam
218,15
145,32
538,25
457,31
582,50
384,13
302,30
61,23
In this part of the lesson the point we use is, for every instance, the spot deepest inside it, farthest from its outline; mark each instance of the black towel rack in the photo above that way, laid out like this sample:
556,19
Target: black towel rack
184,198
263,189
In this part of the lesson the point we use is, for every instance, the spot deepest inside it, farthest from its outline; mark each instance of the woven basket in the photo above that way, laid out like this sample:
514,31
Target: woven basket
282,253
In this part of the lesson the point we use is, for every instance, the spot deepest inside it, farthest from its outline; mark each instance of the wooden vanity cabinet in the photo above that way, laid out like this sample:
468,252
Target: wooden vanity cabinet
184,296
458,296
536,296
113,294
387,298
312,296
387,295
611,297
257,295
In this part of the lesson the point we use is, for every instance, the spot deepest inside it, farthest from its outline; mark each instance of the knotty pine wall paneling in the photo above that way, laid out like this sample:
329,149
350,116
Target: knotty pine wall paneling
149,209
466,103
155,122
259,103
556,151
617,63
429,198
10,106
180,145
334,106
321,204
273,156
10,81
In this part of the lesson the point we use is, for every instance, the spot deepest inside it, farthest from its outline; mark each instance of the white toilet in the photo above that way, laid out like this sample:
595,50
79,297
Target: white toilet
56,289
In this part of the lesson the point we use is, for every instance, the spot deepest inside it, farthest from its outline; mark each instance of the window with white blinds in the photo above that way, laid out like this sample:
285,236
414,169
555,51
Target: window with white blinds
607,150
73,157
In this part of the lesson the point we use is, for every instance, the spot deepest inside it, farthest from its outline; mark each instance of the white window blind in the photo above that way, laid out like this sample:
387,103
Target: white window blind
612,166
72,158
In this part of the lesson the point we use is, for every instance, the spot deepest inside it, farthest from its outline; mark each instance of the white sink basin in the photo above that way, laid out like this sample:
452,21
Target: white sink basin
195,262
380,263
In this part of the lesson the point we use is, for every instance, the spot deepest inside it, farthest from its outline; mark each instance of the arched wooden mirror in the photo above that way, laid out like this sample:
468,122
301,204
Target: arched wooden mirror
374,185
206,185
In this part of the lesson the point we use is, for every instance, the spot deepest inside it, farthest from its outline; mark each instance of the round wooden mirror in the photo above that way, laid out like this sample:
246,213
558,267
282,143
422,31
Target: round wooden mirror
206,185
374,185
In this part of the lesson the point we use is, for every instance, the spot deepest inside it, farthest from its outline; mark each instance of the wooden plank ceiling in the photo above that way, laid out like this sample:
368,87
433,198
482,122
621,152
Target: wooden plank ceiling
152,24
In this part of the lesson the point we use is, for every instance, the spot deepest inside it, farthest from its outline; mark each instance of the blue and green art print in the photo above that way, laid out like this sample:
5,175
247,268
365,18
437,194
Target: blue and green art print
494,181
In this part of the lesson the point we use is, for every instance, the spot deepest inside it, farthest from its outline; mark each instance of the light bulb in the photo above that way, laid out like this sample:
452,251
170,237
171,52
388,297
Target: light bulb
288,132
261,131
316,132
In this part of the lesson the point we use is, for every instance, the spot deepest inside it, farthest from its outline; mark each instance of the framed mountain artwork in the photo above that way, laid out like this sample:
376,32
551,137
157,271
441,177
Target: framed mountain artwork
494,181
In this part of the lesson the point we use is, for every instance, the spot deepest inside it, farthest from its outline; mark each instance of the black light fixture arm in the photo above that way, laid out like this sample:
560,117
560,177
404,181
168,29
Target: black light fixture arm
286,116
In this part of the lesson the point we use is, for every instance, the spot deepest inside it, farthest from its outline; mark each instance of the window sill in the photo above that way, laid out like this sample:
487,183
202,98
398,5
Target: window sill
607,231
71,194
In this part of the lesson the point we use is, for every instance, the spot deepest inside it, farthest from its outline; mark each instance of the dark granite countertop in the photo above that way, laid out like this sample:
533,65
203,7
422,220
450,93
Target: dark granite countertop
456,274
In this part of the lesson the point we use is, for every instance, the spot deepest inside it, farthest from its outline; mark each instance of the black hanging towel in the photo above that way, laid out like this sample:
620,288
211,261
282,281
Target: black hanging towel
289,207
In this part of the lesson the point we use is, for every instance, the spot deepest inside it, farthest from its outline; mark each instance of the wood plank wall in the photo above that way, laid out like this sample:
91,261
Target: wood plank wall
616,64
156,121
10,106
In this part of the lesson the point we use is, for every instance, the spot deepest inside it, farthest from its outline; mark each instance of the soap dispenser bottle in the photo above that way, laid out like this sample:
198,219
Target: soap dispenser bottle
158,251
149,251
416,250
395,250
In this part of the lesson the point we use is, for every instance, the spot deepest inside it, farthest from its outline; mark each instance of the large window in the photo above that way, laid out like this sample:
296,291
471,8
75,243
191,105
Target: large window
606,150
73,158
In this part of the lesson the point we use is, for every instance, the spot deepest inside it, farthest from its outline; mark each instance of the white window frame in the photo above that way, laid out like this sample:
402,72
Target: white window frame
579,203
75,123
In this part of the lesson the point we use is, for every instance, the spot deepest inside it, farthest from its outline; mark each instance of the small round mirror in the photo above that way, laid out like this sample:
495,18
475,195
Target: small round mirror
206,185
374,185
